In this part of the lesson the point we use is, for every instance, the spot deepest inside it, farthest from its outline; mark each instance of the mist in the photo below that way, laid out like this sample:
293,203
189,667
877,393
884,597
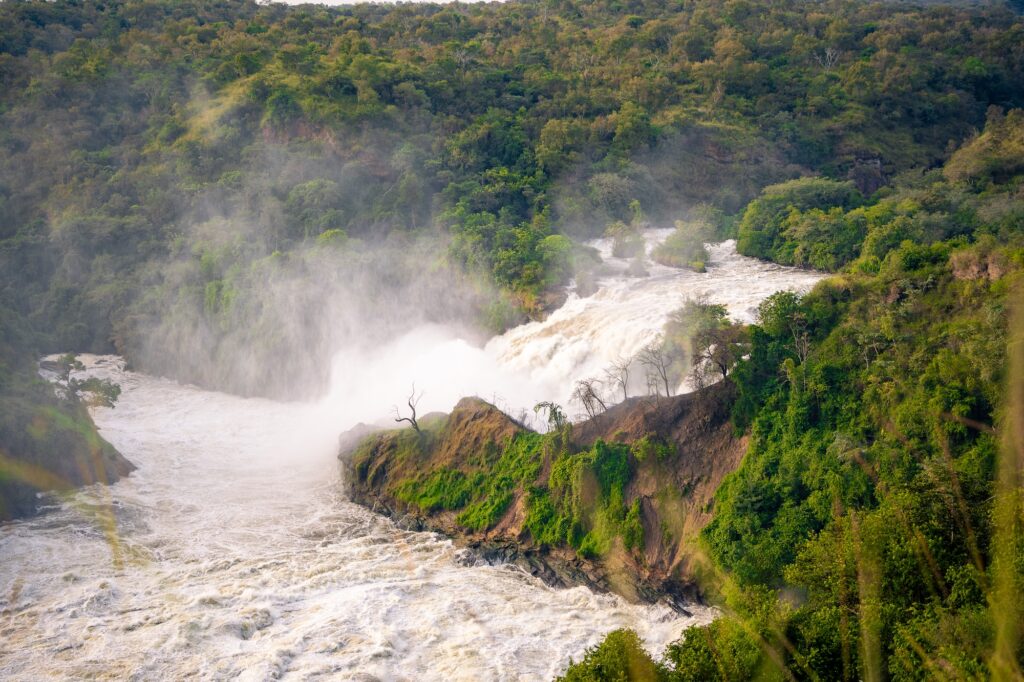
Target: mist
271,329
312,277
542,360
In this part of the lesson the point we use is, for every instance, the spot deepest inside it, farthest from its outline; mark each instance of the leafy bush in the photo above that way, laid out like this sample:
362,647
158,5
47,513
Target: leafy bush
684,248
774,227
621,656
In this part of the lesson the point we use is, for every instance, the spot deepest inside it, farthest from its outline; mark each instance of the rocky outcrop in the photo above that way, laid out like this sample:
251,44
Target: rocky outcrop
49,445
47,442
676,492
681,448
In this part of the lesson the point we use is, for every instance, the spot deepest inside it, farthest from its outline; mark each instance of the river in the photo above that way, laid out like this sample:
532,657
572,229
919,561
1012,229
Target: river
232,551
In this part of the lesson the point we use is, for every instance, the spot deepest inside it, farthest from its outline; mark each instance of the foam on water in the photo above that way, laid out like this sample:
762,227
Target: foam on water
231,552
235,555
540,361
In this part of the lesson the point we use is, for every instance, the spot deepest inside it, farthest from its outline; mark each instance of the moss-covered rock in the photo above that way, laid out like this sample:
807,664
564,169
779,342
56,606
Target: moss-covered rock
47,443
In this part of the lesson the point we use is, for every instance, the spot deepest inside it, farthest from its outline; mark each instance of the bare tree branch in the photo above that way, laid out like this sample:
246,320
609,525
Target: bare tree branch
657,363
827,59
412,401
618,374
587,394
801,339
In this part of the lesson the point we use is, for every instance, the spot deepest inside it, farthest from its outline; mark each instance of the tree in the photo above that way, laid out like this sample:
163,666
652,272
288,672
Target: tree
715,343
281,109
657,362
621,656
626,239
587,394
412,401
556,417
67,363
618,374
555,253
780,316
94,391
633,128
684,248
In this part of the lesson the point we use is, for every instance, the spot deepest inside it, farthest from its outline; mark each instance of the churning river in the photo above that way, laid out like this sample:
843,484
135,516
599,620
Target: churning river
232,551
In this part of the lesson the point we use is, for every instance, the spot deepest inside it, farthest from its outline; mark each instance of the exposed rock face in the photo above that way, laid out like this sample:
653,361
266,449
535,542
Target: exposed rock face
674,490
675,493
977,264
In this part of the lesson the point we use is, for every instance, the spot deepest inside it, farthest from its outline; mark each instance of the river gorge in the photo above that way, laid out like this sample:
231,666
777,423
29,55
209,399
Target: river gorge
233,552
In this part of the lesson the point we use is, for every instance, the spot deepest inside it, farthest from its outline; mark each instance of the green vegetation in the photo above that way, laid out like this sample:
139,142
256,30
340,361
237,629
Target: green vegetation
627,241
441,489
620,656
96,391
571,497
517,465
858,539
173,175
583,503
580,503
787,224
163,162
649,447
46,442
684,248
705,343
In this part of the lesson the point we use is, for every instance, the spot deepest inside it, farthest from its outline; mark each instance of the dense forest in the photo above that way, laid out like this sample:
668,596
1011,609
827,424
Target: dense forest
874,527
162,160
174,174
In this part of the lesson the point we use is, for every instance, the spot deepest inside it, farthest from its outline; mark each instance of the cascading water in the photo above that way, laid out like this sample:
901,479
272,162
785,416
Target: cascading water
540,361
232,553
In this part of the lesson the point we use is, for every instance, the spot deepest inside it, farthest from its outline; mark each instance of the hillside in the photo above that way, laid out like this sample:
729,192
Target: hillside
873,529
226,192
162,161
615,502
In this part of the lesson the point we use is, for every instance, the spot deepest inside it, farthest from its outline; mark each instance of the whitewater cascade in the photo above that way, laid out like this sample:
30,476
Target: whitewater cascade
232,552
540,361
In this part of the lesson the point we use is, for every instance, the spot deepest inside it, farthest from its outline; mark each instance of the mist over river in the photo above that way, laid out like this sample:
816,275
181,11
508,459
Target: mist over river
232,551
542,360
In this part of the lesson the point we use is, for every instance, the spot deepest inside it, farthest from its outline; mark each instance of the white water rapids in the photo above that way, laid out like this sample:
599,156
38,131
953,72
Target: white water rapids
231,552
542,360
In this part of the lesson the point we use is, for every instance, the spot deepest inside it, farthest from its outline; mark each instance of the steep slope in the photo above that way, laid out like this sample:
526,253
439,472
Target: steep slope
612,502
874,527
46,443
